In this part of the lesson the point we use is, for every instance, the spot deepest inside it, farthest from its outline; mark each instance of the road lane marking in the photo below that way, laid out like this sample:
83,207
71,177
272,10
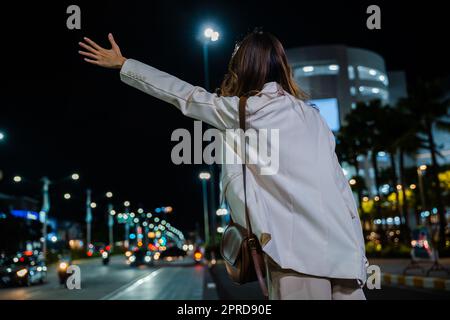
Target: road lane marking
130,286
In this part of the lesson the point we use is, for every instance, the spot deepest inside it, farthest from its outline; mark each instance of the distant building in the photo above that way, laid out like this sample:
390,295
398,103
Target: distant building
337,77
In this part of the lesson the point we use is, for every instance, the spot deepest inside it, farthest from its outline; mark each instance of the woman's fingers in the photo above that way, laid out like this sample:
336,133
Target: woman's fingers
88,54
113,42
88,48
92,43
91,61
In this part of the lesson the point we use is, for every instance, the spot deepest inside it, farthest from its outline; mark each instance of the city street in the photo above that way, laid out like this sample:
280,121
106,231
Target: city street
118,281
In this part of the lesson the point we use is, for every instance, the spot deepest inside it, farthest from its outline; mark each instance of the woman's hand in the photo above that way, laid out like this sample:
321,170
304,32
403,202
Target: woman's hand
107,58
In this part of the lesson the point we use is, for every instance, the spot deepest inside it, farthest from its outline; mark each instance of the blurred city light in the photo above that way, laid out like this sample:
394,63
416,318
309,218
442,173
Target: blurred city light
75,176
93,205
208,32
423,167
112,212
67,196
215,36
109,194
17,179
2,136
204,175
222,212
126,203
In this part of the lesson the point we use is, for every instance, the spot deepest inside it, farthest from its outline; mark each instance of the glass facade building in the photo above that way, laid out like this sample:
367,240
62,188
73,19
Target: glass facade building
337,77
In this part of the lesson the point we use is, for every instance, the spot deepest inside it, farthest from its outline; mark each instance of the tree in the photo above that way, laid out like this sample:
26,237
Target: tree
427,104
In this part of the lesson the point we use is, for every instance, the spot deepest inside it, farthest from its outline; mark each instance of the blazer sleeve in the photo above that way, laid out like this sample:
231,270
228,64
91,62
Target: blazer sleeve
193,101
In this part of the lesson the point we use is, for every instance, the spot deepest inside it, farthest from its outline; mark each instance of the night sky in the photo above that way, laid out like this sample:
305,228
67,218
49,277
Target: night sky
62,115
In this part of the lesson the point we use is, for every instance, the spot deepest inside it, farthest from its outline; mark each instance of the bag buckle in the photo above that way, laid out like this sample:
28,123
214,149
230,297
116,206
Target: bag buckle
252,243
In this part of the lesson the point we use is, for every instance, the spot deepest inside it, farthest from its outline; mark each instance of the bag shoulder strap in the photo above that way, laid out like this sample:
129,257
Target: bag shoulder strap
242,125
256,256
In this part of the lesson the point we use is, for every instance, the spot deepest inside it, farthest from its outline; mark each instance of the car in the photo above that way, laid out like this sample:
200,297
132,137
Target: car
22,269
139,257
172,254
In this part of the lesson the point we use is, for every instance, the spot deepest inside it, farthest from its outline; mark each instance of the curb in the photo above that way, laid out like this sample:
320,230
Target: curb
416,281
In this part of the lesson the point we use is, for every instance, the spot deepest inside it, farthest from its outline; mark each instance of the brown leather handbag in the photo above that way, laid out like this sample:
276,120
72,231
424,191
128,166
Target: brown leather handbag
239,247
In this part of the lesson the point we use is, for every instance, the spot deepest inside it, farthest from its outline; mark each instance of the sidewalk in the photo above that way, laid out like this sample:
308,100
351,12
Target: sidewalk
392,274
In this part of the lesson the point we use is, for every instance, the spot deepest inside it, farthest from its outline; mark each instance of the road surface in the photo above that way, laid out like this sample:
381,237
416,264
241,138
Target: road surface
118,281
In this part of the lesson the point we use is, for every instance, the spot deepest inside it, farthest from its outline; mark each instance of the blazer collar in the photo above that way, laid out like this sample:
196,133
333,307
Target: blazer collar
272,88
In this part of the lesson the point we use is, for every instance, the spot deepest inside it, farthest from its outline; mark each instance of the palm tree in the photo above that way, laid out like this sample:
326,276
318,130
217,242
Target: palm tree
348,148
430,109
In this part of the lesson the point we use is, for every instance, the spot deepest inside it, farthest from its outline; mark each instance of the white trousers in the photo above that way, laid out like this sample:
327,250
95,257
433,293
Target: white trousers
286,284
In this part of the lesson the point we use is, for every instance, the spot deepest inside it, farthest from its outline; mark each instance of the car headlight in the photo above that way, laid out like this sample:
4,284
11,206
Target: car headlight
22,273
63,266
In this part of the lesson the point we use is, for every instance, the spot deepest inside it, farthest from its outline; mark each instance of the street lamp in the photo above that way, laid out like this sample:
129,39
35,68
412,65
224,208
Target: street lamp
205,176
75,176
67,196
210,36
17,179
420,173
109,194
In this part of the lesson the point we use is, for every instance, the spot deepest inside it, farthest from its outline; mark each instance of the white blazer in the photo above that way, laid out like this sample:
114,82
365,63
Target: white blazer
305,215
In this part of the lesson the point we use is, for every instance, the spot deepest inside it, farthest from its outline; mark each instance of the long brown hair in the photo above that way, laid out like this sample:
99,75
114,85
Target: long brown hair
259,58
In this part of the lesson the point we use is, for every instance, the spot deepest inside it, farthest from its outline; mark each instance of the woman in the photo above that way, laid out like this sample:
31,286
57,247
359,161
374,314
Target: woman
304,214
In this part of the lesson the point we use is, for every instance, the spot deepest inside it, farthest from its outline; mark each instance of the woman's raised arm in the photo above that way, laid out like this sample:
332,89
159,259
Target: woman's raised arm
193,101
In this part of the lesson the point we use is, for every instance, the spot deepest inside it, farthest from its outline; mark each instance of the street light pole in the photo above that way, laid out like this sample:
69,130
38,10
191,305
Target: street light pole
210,36
206,64
88,217
420,171
127,226
205,176
111,225
44,212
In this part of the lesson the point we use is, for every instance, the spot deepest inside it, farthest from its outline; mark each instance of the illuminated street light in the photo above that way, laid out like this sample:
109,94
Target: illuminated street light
126,203
215,36
17,179
140,210
222,212
352,182
423,167
67,196
412,186
75,176
208,32
204,175
93,205
109,194
112,212
2,136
